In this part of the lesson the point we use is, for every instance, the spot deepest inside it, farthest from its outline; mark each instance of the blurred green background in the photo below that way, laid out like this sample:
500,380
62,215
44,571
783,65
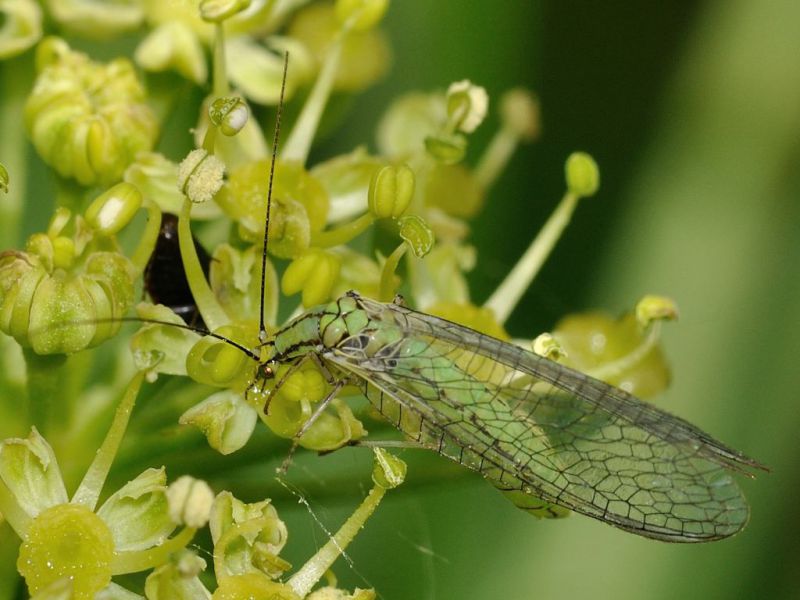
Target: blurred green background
692,110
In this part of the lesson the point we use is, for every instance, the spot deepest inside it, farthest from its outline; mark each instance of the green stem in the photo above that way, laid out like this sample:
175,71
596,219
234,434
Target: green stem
311,572
89,490
496,157
147,242
387,273
505,298
44,374
141,560
220,87
344,233
213,314
299,142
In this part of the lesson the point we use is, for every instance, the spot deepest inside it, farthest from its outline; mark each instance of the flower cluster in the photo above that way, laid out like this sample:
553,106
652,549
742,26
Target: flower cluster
393,220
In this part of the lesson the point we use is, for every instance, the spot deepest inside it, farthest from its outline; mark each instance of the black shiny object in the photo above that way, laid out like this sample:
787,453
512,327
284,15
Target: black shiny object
164,277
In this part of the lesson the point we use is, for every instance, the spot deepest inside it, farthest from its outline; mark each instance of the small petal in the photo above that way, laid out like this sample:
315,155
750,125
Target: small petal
161,348
155,176
408,121
98,19
236,281
21,26
137,513
258,73
346,179
29,469
248,536
173,46
224,418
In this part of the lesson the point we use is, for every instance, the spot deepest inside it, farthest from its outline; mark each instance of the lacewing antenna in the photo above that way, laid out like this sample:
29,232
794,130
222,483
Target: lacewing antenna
198,330
262,330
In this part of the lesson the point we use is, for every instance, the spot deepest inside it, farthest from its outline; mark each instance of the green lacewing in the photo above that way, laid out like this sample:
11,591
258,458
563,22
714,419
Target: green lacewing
549,437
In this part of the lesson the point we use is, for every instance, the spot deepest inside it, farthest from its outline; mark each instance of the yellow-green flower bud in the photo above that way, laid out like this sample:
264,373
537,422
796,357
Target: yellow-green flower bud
4,179
314,272
519,112
253,586
391,191
189,501
454,189
467,105
365,57
229,114
417,234
583,176
200,176
22,26
67,541
113,209
87,120
388,471
655,308
173,45
56,311
447,149
546,345
360,15
217,11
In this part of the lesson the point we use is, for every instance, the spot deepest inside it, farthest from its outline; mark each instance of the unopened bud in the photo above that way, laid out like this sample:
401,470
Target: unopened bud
113,209
190,501
583,176
390,191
